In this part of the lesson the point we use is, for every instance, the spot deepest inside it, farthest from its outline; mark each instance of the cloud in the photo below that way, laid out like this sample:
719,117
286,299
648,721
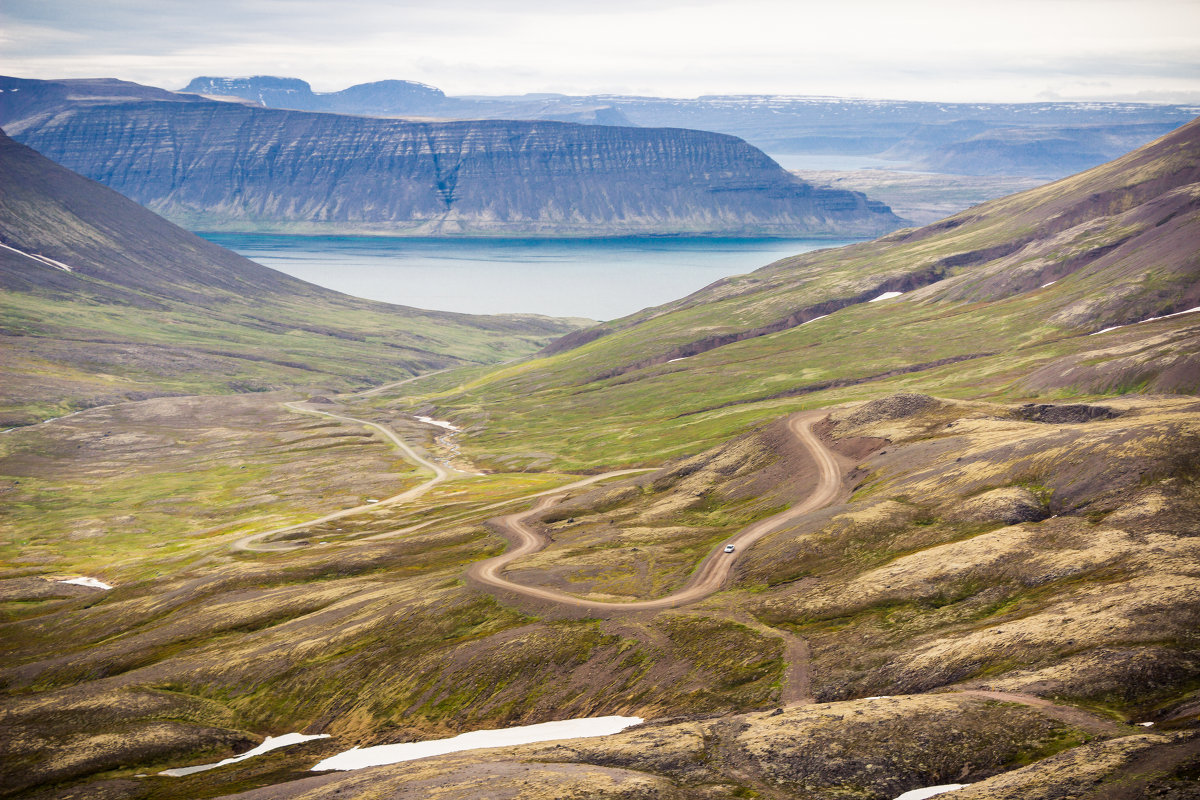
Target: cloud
923,49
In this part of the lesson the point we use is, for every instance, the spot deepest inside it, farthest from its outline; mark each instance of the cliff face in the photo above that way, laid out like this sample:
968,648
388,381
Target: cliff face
225,166
1033,139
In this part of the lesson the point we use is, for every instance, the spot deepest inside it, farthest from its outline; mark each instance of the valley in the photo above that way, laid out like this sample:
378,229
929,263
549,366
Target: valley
959,467
583,278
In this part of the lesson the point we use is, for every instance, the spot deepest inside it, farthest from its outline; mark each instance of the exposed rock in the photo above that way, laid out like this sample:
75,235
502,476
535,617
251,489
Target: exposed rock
1078,773
1064,414
896,406
1010,505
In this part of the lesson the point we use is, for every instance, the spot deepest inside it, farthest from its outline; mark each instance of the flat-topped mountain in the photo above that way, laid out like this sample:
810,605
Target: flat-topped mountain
224,166
1047,139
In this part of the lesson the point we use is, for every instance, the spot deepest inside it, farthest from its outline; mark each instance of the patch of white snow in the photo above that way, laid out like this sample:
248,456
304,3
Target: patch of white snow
49,262
1146,724
931,791
673,360
1150,319
823,316
441,423
1176,314
886,296
358,758
91,582
1051,283
268,744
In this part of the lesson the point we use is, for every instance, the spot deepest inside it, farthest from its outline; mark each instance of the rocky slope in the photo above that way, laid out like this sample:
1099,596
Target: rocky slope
212,165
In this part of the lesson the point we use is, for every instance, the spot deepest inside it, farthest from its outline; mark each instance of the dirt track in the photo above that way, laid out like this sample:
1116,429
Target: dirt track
713,571
255,542
259,542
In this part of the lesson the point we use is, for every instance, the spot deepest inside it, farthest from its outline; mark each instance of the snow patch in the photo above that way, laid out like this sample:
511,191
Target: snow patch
90,582
441,423
1146,724
1149,319
886,296
268,744
673,360
45,261
930,791
1051,283
1179,313
358,758
823,316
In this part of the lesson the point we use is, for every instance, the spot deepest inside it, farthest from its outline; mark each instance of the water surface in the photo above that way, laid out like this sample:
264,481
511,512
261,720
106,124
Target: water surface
595,278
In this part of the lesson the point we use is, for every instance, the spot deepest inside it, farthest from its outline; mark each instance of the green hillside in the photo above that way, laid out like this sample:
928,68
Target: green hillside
999,301
990,581
104,301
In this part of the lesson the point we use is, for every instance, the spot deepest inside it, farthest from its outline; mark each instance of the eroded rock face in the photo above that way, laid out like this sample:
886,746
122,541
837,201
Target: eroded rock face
226,166
1060,414
894,406
1010,505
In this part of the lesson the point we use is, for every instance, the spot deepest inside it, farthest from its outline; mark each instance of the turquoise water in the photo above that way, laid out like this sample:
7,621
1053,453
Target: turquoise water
596,278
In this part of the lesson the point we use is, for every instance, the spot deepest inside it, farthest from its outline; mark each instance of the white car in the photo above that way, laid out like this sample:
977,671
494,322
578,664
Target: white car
729,548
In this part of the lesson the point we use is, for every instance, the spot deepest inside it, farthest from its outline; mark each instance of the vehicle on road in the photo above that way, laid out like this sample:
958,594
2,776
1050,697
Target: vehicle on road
729,548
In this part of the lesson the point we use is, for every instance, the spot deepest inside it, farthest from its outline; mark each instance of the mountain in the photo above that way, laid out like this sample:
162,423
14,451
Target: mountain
223,166
394,98
104,300
959,468
1027,279
1049,139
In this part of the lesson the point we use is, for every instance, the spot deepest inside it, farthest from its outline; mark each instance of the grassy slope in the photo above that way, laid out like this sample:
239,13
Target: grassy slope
1119,244
150,308
200,650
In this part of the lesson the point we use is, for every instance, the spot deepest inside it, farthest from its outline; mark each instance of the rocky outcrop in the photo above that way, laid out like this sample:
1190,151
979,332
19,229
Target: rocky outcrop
212,165
1060,414
1010,505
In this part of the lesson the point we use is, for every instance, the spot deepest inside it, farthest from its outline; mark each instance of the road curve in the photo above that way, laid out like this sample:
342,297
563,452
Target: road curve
387,386
255,542
579,484
713,571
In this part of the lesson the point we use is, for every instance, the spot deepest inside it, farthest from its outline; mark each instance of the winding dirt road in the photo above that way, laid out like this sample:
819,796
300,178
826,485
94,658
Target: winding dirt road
259,542
256,542
387,386
713,571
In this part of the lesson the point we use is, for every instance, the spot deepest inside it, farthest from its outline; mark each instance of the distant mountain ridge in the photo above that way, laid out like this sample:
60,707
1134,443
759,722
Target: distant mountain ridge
391,98
225,166
1046,139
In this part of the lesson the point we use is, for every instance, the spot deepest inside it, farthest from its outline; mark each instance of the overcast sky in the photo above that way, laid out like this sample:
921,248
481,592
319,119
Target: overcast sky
961,50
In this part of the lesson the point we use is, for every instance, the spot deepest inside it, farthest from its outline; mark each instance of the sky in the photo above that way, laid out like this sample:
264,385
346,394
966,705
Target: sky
949,50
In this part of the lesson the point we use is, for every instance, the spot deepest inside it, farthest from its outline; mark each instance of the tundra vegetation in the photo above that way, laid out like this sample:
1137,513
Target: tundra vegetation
1006,586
